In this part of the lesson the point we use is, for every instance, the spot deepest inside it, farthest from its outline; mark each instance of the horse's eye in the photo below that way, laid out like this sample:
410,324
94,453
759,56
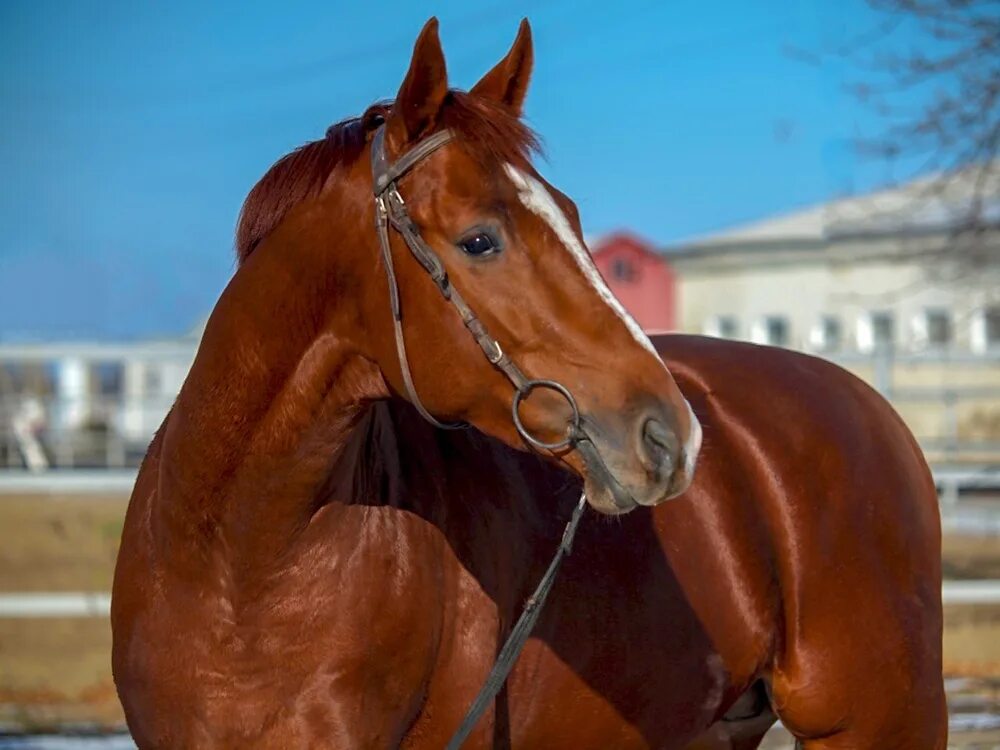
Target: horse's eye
479,244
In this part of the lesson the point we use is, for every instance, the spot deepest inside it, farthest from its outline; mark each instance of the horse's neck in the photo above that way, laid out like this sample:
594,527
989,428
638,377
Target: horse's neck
268,405
271,423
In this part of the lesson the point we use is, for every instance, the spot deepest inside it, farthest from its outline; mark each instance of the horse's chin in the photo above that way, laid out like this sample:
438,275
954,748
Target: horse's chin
613,490
609,500
605,493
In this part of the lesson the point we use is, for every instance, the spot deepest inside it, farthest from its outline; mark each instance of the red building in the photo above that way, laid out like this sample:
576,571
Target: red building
639,277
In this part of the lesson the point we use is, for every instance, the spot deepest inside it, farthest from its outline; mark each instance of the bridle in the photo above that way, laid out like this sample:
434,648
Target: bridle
390,209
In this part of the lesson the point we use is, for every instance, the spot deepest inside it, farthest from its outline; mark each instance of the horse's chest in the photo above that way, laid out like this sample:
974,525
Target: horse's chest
328,647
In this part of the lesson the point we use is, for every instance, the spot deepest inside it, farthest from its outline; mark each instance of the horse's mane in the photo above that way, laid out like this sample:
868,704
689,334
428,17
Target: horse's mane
488,131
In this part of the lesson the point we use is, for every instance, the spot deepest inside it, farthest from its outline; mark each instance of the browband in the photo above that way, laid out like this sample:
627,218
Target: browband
384,173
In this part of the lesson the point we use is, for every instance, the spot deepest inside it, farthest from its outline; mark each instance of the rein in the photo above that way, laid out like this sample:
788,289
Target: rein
519,634
390,209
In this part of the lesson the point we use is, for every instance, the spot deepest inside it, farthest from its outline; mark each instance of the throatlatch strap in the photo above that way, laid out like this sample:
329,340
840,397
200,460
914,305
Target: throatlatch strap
397,319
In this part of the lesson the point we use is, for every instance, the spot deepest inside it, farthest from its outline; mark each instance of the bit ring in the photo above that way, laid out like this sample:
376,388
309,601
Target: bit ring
523,392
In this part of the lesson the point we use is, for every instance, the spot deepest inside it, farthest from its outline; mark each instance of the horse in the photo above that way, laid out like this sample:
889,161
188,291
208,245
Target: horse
310,559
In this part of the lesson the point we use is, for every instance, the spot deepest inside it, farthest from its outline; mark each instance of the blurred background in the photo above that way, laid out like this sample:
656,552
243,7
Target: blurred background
815,175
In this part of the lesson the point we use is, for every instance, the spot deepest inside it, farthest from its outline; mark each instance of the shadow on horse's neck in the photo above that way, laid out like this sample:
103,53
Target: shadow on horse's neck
618,616
501,510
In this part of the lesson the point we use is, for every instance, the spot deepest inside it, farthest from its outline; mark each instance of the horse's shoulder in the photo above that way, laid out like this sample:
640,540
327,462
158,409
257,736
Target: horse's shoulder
757,384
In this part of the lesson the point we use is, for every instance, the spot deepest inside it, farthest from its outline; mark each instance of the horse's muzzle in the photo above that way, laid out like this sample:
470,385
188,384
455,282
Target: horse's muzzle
644,462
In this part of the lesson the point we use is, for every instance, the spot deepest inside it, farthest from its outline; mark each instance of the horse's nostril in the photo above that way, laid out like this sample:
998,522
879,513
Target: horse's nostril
659,447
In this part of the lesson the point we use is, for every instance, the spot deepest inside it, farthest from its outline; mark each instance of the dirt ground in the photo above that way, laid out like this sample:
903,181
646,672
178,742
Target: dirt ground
59,543
55,672
970,557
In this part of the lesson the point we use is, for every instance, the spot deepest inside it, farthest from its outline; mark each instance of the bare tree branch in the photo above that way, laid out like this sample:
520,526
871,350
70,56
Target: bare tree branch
938,97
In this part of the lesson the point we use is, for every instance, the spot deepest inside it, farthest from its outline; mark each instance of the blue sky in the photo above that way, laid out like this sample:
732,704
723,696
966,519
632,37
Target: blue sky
131,132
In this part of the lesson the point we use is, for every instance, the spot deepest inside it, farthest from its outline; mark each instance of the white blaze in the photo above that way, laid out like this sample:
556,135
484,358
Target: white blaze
539,201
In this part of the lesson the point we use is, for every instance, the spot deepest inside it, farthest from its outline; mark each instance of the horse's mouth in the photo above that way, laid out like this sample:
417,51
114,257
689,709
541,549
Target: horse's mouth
616,478
604,492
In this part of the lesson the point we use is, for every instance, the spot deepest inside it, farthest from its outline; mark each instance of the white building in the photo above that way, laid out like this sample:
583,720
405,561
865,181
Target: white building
852,275
884,285
71,404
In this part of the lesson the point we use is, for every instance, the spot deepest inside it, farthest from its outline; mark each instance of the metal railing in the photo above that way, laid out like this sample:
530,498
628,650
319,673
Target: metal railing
950,400
38,433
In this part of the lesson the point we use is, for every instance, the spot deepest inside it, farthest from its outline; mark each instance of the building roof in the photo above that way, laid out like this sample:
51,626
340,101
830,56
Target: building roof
932,203
618,239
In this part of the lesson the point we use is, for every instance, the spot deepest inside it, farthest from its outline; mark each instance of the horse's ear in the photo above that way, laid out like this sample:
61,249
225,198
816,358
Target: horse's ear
507,83
423,91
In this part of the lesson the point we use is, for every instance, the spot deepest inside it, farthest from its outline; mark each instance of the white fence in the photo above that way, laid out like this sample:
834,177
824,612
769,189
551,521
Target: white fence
98,604
70,406
100,431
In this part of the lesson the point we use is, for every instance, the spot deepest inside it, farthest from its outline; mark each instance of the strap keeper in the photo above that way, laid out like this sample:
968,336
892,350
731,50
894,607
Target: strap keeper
496,356
443,283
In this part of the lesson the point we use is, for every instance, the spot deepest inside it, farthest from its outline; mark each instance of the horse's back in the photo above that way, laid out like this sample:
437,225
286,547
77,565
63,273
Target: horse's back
809,409
853,528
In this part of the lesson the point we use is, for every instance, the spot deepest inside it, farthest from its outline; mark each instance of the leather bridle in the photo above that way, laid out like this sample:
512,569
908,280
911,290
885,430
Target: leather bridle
390,209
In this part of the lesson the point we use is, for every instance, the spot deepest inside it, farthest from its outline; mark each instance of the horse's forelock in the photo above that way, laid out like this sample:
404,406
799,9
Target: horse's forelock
488,131
294,178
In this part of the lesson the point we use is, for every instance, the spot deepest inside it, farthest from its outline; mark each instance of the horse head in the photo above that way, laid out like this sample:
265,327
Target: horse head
473,220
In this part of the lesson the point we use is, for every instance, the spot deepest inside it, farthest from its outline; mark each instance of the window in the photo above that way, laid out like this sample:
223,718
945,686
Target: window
932,328
993,326
883,329
722,326
152,381
938,327
986,330
11,377
771,329
876,331
777,330
109,378
623,270
827,335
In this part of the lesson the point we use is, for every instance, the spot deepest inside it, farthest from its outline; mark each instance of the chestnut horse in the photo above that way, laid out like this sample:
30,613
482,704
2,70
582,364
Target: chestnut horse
306,562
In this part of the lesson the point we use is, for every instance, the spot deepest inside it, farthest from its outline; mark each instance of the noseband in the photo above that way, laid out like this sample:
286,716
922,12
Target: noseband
390,209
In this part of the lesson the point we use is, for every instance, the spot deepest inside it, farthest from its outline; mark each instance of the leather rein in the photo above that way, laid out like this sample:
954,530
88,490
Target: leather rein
390,210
